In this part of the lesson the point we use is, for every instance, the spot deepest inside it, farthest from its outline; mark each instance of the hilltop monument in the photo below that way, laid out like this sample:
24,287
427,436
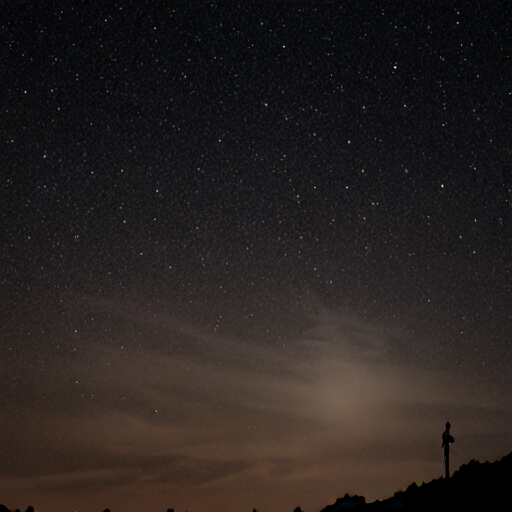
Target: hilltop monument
447,440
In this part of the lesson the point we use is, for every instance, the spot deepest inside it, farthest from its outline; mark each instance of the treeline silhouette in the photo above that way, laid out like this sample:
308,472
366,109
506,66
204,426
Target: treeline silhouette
475,486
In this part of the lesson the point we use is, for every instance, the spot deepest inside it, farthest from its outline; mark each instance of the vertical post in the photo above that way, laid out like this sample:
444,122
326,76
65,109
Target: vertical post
447,462
447,440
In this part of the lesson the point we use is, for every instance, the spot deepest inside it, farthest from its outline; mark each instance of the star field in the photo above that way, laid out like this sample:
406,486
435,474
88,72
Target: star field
252,249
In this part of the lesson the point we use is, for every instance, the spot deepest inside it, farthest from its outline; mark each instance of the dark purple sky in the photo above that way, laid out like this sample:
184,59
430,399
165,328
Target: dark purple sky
252,250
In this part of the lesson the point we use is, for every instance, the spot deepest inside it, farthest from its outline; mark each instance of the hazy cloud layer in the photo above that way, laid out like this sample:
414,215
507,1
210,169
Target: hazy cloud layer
216,415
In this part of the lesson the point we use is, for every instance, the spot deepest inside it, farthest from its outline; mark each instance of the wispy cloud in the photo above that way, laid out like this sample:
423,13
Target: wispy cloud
221,414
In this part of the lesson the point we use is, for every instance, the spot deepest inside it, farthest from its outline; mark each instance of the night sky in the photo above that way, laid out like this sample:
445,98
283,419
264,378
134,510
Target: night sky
260,251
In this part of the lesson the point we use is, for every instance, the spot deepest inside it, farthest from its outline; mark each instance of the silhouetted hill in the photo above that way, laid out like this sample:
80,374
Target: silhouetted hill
474,486
347,503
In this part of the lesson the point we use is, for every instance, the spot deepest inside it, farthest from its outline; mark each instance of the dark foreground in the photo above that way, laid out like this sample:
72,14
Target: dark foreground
474,486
